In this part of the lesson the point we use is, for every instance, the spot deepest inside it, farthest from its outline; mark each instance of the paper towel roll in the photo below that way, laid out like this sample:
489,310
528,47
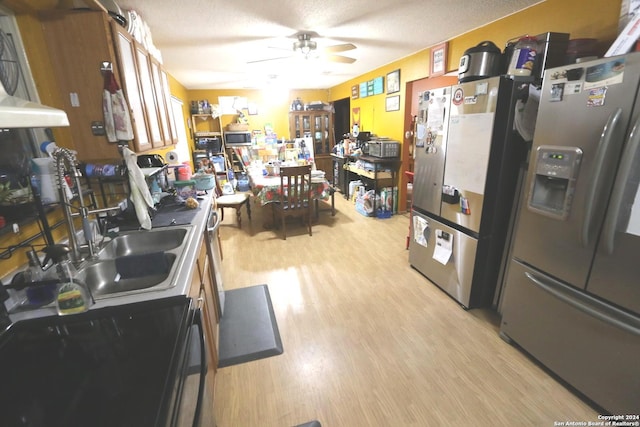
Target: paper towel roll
172,158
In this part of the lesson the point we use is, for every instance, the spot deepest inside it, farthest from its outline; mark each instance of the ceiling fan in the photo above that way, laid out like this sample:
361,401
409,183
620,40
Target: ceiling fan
305,47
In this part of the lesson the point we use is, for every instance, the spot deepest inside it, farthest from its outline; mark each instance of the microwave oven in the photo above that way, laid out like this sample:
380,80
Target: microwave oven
237,138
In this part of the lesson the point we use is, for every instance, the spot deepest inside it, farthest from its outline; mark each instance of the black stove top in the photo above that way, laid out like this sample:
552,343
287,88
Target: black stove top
107,367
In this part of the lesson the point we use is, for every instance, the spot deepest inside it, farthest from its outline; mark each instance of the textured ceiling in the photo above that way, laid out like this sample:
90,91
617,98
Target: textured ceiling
207,44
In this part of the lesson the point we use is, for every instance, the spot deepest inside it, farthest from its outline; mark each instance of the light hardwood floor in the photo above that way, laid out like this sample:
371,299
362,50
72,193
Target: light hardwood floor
368,341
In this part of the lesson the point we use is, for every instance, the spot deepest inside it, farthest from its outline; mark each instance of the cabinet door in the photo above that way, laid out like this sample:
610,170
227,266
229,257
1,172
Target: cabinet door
131,86
317,135
80,41
294,127
167,96
148,95
163,103
208,307
306,125
210,324
327,132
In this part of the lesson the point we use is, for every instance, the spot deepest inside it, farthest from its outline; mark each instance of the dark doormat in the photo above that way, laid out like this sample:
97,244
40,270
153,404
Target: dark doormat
248,328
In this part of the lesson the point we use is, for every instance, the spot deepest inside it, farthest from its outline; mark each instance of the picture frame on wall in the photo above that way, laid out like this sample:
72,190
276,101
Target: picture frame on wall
439,59
392,103
393,81
378,85
363,90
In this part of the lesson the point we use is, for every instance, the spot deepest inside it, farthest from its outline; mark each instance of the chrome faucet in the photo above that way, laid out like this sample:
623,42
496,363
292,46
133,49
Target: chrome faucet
62,156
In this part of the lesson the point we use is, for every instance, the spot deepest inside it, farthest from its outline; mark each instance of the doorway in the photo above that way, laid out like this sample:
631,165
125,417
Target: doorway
341,118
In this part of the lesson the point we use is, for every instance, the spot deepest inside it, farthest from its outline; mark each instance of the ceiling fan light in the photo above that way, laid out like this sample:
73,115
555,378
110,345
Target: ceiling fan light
304,46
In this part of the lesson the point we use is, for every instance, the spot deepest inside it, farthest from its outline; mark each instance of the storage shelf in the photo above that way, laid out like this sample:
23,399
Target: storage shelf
205,134
384,173
370,174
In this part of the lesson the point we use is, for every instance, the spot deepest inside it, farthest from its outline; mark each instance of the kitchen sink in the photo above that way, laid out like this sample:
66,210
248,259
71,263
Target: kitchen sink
105,277
136,261
141,242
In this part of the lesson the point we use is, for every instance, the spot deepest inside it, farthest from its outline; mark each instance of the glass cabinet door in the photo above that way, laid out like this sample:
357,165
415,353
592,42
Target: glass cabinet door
315,125
306,124
317,135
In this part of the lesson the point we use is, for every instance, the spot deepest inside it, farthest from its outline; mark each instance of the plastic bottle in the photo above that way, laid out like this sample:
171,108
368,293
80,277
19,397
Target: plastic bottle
40,294
34,272
72,296
524,57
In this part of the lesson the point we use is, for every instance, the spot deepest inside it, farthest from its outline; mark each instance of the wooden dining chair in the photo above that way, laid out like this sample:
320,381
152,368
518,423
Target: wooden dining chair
235,201
294,196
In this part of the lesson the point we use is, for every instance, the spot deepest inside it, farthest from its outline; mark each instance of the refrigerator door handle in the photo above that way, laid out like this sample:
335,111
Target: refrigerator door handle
588,305
592,188
624,172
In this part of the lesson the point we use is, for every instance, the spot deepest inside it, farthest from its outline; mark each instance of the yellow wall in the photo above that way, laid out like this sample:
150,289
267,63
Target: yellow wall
594,19
272,105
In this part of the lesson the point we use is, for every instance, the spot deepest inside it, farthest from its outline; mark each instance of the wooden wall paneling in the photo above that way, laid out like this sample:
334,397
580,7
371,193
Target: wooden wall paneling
78,42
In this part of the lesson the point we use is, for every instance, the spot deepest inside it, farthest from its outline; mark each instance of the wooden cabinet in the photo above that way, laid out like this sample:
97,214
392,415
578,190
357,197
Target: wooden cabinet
131,86
201,291
205,126
317,125
78,43
148,95
167,97
208,141
163,98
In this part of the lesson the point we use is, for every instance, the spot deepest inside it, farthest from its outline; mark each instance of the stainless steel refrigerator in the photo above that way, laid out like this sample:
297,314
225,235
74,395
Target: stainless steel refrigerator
572,290
467,159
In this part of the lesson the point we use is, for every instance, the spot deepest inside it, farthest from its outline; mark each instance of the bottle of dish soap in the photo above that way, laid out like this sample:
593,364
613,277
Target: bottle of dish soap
73,295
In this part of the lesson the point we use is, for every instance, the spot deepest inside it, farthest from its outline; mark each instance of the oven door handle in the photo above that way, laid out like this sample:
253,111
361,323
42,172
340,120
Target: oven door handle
197,321
213,214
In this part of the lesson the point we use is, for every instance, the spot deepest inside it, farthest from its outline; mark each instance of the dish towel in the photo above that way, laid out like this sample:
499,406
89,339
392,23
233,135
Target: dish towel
524,120
117,121
140,195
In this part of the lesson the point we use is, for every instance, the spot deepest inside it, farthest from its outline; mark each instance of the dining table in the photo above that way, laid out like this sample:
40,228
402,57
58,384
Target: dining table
266,189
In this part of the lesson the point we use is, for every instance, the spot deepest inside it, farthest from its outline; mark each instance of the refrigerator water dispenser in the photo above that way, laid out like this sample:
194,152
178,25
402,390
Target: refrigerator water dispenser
556,170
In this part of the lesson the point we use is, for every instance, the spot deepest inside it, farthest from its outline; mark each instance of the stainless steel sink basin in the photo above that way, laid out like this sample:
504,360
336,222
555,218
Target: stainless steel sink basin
136,261
141,242
104,277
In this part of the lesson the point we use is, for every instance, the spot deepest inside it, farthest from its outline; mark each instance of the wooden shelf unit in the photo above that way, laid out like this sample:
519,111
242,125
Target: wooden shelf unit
318,125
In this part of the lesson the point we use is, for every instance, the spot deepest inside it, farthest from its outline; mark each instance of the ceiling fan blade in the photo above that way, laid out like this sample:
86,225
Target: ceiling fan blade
280,48
269,59
339,48
339,58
